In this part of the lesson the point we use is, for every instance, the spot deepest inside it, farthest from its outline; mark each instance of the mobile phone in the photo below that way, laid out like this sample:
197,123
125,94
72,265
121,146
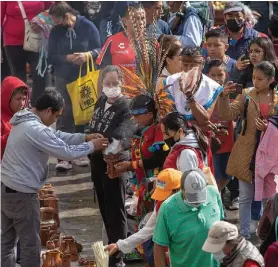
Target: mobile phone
245,57
239,88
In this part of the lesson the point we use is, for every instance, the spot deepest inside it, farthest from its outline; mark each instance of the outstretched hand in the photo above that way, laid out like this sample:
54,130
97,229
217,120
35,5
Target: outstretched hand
112,249
100,143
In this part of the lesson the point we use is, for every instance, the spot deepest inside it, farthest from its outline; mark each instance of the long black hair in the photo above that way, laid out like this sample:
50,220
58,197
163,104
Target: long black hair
175,120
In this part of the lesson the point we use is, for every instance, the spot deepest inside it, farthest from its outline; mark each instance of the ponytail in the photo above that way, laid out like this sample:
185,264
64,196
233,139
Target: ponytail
201,138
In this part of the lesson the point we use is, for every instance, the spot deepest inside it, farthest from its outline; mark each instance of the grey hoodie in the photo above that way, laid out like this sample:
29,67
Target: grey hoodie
25,161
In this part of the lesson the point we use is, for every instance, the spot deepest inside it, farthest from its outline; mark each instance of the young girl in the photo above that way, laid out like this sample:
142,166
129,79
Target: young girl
189,145
255,107
260,49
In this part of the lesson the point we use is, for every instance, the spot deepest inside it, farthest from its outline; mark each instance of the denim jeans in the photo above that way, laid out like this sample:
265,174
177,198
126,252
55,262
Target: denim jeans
246,197
256,210
20,217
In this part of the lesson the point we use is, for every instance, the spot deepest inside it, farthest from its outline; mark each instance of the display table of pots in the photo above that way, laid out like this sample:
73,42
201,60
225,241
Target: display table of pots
60,250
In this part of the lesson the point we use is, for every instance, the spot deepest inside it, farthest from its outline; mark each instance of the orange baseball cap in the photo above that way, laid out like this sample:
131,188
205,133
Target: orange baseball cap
166,181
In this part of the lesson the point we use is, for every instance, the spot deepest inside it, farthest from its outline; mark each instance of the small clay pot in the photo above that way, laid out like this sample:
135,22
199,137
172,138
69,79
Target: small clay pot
66,260
52,202
46,214
44,235
91,264
56,243
50,244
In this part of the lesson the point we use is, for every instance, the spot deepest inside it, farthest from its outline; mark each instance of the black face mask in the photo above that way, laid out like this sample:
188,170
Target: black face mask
170,141
235,25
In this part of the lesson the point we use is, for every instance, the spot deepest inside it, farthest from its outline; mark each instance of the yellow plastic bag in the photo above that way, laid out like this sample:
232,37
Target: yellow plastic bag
83,94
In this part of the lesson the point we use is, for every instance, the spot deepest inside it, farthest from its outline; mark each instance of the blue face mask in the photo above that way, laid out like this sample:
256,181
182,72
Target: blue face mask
219,256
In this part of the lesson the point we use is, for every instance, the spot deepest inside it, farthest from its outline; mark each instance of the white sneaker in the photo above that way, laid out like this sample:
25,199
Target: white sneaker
63,166
253,227
82,162
235,204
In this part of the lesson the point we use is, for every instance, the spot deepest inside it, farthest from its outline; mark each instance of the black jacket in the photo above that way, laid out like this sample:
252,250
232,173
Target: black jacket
116,122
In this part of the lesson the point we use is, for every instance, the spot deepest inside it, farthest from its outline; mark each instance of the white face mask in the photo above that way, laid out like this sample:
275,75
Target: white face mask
219,256
112,92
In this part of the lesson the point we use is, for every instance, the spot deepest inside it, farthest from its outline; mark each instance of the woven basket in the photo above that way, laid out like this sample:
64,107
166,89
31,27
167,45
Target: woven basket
111,160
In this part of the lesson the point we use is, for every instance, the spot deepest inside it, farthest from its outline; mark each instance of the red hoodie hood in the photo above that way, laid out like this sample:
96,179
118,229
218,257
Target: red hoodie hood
8,86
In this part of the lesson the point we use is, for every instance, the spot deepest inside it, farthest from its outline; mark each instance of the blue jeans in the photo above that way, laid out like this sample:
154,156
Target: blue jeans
256,210
246,197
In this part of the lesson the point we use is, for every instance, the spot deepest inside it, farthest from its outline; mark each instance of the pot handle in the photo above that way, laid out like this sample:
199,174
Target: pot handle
44,256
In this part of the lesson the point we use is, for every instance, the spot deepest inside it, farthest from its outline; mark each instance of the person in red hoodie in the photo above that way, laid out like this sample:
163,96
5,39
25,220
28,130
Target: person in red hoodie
14,97
13,30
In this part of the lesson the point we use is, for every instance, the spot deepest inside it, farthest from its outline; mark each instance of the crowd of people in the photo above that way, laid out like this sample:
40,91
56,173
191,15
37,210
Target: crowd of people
190,109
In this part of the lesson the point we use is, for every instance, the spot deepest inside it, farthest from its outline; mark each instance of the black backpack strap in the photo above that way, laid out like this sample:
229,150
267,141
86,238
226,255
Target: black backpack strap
244,119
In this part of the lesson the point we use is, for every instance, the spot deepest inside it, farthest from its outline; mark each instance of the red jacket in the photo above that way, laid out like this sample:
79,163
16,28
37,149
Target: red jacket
171,160
12,22
9,84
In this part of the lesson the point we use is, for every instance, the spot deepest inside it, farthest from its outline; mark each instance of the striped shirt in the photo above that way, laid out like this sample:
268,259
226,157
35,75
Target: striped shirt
184,229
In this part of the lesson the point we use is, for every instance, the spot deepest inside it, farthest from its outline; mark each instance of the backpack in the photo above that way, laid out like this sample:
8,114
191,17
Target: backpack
201,10
271,255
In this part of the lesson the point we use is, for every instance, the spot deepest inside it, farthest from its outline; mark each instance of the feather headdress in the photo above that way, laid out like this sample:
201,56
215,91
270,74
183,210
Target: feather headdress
149,63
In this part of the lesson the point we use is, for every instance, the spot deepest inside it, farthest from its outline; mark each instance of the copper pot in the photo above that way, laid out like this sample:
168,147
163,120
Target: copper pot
111,160
54,234
50,244
56,243
52,258
49,218
52,202
66,260
46,214
44,235
68,246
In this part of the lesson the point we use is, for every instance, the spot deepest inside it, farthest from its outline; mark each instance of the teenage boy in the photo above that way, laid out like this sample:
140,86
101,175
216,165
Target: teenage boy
24,170
217,44
184,220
